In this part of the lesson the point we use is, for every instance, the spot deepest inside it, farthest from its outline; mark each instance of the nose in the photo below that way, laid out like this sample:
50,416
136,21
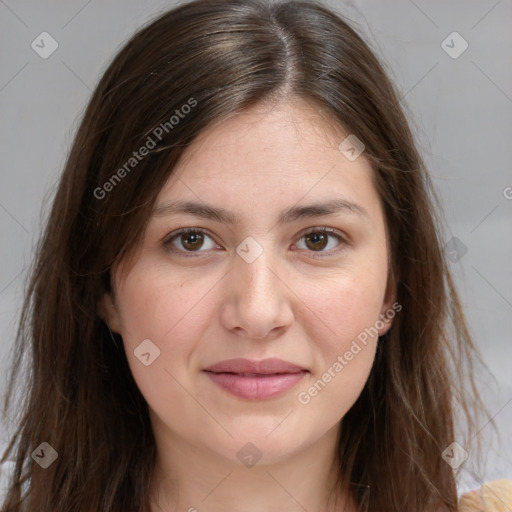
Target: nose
257,301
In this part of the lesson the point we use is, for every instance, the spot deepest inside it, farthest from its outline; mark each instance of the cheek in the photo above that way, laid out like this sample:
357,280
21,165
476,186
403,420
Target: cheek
333,390
344,306
345,340
169,310
161,306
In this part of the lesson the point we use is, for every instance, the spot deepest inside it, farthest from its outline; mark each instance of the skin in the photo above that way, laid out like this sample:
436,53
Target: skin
287,303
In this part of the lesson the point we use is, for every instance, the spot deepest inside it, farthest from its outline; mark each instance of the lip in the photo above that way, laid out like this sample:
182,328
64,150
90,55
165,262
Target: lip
255,380
263,367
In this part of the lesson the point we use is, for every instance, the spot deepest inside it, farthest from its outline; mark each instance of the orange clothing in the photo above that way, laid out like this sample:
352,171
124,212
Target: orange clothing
495,496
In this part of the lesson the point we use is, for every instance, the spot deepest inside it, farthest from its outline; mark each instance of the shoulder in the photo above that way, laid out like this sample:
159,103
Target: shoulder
495,496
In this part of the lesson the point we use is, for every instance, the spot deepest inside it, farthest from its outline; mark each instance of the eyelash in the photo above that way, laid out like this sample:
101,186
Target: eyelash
194,254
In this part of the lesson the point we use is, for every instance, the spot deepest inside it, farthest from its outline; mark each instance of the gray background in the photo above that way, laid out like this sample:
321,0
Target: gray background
460,110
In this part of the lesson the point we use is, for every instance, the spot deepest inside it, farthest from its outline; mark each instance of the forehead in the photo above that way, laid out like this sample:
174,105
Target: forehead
290,149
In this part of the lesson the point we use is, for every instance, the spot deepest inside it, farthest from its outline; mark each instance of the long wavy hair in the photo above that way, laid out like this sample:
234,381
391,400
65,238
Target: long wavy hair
78,395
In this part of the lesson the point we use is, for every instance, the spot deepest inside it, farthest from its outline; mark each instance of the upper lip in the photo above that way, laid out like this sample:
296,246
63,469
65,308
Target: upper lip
263,367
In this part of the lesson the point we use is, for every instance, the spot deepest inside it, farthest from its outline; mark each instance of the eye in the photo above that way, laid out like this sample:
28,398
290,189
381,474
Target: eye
317,239
192,239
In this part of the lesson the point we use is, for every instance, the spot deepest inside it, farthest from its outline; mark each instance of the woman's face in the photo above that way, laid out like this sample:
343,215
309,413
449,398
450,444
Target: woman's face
257,287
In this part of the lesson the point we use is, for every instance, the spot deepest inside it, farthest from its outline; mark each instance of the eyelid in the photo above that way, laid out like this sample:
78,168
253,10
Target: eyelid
342,238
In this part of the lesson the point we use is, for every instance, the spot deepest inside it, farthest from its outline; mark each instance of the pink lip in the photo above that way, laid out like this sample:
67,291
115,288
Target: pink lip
255,380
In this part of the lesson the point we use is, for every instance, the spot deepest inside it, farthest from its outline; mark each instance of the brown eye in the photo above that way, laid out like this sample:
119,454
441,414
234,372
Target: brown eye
317,241
192,241
189,240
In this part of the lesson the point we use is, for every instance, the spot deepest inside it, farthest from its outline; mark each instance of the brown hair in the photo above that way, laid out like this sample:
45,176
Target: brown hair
221,57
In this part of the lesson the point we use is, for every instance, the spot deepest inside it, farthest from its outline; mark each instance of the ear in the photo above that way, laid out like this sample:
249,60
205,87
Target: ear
389,306
107,310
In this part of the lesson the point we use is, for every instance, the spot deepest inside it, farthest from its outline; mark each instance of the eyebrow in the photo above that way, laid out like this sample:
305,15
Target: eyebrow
294,213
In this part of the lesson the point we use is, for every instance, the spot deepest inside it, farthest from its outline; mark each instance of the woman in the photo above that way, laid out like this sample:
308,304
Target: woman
241,300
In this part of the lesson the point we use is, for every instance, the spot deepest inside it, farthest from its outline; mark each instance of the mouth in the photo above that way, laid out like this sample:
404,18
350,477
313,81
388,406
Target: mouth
255,380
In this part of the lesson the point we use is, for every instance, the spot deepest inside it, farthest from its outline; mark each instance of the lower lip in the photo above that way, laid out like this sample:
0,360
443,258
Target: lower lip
256,388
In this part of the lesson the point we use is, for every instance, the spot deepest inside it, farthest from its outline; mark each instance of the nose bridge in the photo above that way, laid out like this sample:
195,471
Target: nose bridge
255,292
255,258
